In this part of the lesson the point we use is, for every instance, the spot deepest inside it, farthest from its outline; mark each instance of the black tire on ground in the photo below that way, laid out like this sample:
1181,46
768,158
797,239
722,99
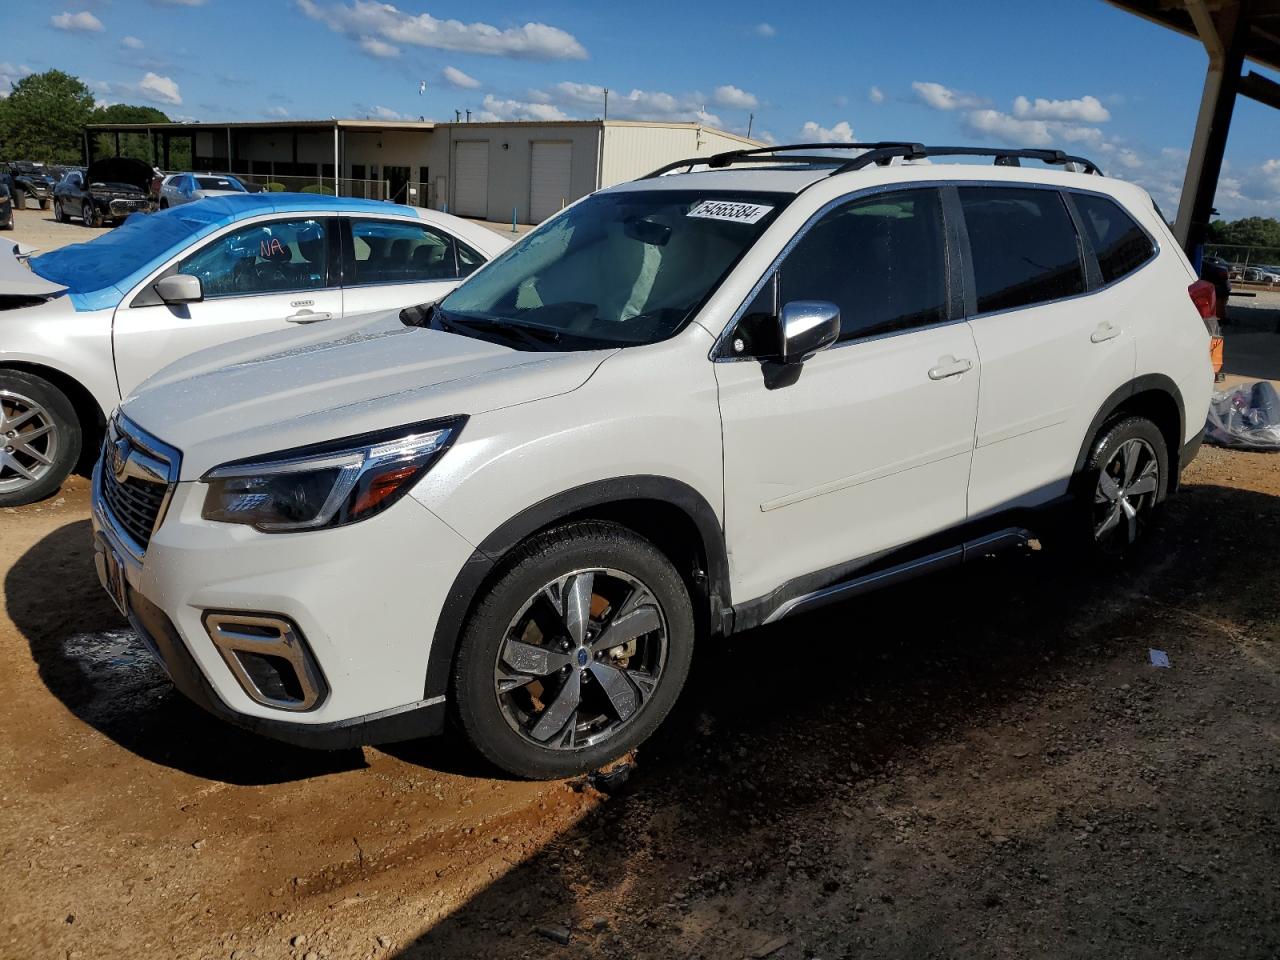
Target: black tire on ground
1090,508
44,204
65,423
8,224
58,215
546,557
164,204
89,215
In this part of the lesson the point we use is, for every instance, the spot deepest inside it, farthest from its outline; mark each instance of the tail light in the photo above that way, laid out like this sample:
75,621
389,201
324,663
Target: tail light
1205,296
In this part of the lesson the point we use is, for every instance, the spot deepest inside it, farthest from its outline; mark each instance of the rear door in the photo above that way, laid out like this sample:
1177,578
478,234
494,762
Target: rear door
390,263
1052,338
259,277
867,446
471,178
550,168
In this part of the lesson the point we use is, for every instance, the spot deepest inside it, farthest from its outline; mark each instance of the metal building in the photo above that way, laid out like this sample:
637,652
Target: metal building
495,171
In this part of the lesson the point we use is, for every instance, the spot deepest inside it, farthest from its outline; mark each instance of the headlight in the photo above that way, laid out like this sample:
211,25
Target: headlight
329,484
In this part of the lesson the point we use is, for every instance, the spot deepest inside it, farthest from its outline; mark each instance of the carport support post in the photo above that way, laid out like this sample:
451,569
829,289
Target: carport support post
336,168
1225,46
117,143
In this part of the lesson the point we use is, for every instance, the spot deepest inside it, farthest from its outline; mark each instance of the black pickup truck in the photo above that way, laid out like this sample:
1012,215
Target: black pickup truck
31,182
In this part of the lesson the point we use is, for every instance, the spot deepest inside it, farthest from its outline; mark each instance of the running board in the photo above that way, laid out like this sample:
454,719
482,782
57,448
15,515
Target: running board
902,572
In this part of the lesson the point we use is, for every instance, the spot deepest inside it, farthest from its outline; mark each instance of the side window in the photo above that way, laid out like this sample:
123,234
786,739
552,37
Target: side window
1119,244
392,251
1023,245
275,257
468,260
881,260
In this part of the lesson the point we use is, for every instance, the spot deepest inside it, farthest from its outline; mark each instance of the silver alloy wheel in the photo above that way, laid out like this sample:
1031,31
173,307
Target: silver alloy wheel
28,441
581,658
1126,492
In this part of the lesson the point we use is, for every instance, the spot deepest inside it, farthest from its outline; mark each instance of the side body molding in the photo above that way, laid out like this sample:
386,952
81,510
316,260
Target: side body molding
592,499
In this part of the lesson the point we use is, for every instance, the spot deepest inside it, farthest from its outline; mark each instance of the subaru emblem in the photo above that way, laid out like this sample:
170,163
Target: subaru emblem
120,458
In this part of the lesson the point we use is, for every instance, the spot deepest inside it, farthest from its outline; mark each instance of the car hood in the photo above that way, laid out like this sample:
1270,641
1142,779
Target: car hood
16,278
297,387
114,171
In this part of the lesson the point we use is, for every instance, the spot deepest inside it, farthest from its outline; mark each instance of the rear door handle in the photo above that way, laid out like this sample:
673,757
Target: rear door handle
950,367
1105,331
308,316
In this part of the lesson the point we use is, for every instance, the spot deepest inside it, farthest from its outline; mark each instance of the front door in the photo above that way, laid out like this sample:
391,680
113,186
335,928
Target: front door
869,448
266,276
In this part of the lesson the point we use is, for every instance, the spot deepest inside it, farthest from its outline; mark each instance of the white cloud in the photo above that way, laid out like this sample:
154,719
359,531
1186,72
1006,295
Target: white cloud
456,78
10,74
734,97
813,132
764,136
183,3
84,22
384,113
160,89
369,18
765,30
587,99
944,98
133,43
278,112
875,95
1011,130
379,48
496,109
1085,109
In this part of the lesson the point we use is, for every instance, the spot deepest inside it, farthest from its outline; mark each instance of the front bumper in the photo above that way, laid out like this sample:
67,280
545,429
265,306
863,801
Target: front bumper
366,598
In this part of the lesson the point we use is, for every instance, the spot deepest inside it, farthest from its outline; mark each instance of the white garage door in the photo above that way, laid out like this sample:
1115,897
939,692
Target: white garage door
471,178
549,179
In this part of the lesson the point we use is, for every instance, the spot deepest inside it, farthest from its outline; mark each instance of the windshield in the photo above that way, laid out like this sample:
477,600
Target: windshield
617,269
219,183
112,257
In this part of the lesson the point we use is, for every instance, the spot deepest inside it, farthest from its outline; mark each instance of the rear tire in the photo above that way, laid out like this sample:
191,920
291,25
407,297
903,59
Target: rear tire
58,215
540,687
40,438
1125,480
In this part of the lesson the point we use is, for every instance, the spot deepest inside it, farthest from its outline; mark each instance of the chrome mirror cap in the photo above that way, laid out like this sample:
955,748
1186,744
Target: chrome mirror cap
180,288
806,327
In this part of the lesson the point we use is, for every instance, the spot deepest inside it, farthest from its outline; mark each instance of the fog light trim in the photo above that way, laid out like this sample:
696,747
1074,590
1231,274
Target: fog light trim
279,641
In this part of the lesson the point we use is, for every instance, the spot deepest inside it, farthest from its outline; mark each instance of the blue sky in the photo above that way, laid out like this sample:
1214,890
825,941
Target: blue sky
1080,75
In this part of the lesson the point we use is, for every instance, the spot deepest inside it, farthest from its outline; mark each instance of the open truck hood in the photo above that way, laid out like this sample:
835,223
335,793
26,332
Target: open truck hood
120,171
17,283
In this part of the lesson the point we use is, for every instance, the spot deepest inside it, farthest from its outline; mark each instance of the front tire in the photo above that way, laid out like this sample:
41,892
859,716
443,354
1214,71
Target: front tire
89,215
40,438
575,654
1126,478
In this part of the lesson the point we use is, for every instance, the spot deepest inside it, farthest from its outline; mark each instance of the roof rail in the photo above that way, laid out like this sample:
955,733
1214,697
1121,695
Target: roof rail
880,153
777,154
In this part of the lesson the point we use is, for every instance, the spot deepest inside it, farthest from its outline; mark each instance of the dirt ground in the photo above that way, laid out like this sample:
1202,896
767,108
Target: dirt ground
982,764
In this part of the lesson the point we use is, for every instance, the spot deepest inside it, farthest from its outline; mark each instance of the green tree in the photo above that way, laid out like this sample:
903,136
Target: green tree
43,118
1249,232
135,145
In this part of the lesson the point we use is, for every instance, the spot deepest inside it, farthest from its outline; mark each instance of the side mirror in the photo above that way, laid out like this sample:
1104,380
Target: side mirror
806,327
179,288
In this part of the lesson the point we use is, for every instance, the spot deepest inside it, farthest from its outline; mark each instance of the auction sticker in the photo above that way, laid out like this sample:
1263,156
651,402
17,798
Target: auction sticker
728,210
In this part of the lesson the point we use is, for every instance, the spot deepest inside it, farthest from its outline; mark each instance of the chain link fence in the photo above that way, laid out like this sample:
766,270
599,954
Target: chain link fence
1260,265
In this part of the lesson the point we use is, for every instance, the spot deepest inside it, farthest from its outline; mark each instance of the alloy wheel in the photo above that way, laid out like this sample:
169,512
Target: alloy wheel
28,441
1126,493
581,658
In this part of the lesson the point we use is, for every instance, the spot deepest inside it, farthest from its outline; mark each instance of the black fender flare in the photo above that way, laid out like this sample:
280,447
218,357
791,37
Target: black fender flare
1148,382
577,500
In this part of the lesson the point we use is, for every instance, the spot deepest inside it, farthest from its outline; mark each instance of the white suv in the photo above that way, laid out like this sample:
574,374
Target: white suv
706,400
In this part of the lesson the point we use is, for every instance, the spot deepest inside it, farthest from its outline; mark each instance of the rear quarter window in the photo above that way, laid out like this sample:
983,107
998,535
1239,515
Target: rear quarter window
1120,245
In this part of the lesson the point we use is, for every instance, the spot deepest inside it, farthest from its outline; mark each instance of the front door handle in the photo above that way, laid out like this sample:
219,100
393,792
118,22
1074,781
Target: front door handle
1106,330
308,316
949,366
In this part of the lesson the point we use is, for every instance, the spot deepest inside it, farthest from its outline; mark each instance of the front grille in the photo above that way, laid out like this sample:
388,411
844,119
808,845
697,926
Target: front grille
136,475
134,504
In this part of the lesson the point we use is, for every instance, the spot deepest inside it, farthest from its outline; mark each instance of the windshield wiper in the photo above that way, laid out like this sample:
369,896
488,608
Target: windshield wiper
537,337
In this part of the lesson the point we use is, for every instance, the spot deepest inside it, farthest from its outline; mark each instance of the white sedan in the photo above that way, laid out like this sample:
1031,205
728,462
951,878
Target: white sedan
84,325
178,188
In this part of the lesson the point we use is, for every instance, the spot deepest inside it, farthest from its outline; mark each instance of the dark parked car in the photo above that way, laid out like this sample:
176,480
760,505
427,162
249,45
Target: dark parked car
1218,272
31,182
6,208
109,190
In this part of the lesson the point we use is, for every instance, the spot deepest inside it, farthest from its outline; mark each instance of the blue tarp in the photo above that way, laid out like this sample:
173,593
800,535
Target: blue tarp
99,273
